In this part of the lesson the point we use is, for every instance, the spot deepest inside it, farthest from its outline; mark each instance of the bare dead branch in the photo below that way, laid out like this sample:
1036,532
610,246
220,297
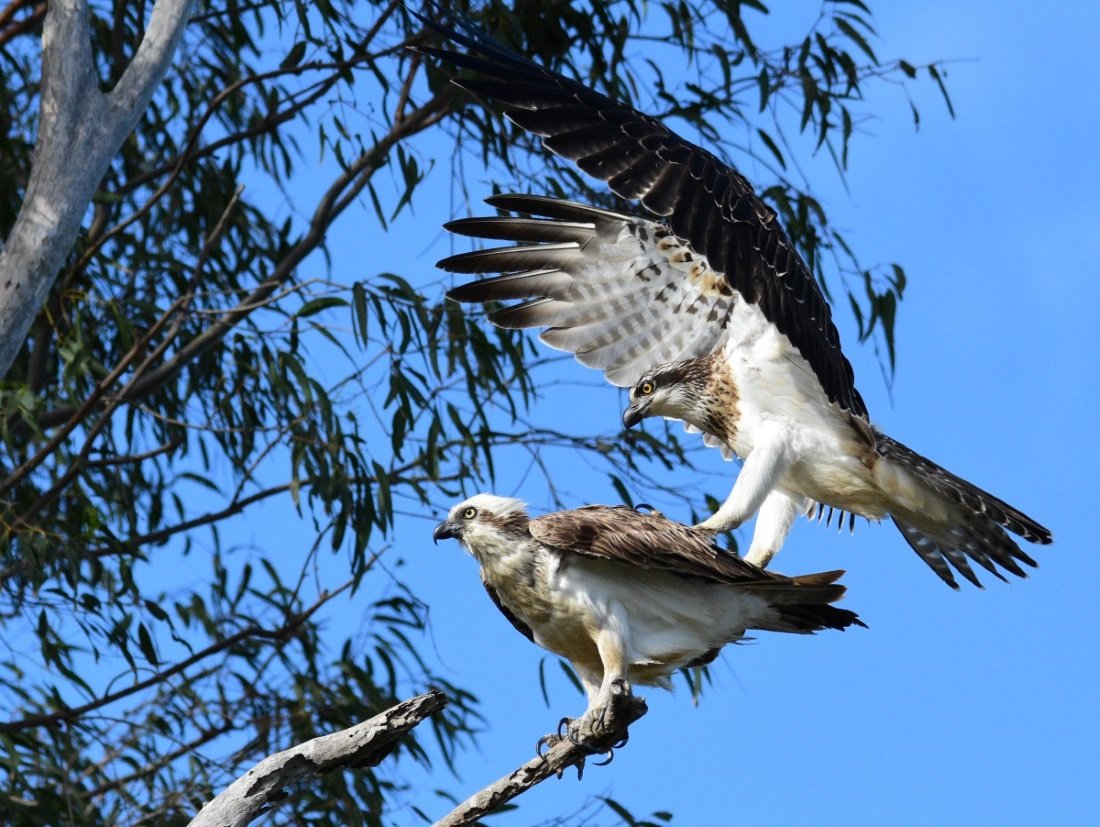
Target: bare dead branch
622,709
363,745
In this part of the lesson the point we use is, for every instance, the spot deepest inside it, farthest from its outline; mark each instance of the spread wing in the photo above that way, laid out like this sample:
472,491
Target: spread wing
652,541
623,294
711,211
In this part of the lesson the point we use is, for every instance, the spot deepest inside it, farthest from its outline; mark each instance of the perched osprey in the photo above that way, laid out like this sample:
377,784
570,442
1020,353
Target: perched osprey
626,595
709,315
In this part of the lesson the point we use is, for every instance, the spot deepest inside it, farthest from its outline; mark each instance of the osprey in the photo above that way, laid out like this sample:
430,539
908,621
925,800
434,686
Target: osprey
624,595
709,315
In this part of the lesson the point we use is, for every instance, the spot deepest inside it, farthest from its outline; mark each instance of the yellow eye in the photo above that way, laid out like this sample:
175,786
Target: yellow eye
469,513
645,389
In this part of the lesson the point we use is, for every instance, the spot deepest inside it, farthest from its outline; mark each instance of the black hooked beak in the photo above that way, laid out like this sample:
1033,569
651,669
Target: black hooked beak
443,531
634,414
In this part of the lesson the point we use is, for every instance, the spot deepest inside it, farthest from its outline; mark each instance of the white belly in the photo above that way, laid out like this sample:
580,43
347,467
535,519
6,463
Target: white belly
830,458
664,621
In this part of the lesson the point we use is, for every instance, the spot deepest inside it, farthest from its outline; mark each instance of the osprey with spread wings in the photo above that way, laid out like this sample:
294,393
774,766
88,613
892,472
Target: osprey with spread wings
709,315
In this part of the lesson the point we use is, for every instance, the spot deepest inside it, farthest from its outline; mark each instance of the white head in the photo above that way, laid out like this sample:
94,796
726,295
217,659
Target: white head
483,518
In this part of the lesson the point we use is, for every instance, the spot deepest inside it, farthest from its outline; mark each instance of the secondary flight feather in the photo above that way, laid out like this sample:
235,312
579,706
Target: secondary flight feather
709,315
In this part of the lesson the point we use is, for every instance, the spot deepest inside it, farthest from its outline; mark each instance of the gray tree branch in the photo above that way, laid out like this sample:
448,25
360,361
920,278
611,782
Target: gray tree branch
364,745
81,129
599,735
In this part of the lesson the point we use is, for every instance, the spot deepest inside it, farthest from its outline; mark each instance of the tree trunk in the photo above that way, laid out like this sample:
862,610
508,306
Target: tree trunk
80,130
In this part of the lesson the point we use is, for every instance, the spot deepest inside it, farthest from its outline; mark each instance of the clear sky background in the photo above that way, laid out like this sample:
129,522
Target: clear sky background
976,706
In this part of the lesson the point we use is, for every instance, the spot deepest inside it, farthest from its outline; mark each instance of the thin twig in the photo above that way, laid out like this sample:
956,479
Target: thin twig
177,307
339,195
188,748
12,30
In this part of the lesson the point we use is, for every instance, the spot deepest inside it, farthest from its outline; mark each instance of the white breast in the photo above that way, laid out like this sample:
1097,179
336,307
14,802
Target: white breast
778,389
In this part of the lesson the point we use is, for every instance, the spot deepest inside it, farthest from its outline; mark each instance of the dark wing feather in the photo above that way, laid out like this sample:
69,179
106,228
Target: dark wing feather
518,624
652,541
707,203
648,541
962,492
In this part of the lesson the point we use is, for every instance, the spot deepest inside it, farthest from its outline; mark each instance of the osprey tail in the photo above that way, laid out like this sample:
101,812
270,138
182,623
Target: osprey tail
802,604
949,522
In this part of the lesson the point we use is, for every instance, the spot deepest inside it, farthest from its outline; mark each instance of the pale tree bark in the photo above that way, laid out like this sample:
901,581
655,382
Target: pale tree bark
80,130
363,745
368,743
597,733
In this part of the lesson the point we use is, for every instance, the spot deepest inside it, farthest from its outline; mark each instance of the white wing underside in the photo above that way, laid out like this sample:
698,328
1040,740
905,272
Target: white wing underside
625,295
625,320
622,294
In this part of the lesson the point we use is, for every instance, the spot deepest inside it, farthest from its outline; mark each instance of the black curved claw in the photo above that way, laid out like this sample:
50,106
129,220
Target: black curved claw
580,768
606,761
646,506
563,727
621,742
546,742
576,741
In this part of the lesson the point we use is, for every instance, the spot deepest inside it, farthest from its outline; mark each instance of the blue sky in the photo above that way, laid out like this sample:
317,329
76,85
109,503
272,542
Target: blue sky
977,706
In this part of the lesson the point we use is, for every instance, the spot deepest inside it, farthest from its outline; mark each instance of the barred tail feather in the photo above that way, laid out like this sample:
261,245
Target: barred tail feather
960,524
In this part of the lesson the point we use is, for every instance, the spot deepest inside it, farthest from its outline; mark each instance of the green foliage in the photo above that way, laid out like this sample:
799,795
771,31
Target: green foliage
181,375
657,819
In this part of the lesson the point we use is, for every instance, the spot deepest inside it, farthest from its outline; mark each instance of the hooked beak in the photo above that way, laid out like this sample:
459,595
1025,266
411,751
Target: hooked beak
634,414
443,531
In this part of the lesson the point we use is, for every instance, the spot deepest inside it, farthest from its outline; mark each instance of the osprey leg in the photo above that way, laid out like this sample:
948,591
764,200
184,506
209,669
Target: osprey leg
773,523
764,467
611,645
